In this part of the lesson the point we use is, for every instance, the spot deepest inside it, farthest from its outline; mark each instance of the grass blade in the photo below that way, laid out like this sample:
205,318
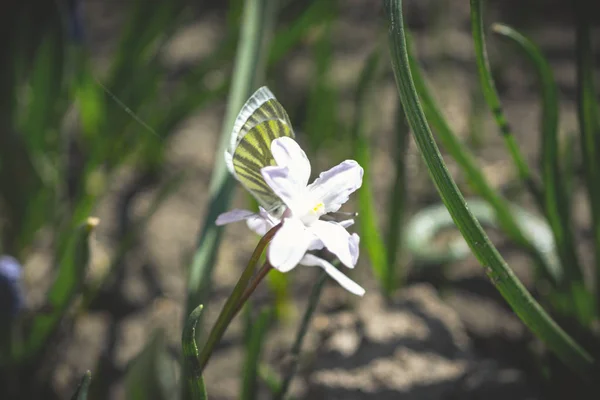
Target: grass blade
71,274
589,123
82,390
511,226
493,100
313,301
521,301
556,201
236,299
249,66
371,238
256,332
396,225
151,375
191,370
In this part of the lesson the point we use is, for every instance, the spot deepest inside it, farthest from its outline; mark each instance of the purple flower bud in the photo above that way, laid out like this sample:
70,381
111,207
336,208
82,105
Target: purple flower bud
11,293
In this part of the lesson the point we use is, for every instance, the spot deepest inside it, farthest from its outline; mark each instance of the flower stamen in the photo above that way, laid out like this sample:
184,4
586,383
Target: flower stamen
318,208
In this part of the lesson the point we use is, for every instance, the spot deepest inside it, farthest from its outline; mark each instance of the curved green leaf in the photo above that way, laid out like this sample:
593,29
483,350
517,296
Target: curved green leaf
589,122
493,100
68,282
192,371
82,390
549,266
313,301
256,331
151,374
513,291
249,66
556,202
371,238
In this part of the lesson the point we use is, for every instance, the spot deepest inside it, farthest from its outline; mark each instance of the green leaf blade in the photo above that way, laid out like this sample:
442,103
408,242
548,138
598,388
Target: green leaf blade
502,276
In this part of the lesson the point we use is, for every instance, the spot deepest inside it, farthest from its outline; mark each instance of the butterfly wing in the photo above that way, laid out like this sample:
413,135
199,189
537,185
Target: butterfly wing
261,120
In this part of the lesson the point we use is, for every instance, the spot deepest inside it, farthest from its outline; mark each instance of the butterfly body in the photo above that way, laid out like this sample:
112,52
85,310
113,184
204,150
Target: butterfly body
261,120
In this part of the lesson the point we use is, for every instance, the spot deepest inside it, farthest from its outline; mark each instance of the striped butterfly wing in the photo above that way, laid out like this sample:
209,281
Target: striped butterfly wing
261,120
261,106
252,154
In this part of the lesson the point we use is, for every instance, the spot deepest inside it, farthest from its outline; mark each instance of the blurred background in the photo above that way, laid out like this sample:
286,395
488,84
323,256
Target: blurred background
113,109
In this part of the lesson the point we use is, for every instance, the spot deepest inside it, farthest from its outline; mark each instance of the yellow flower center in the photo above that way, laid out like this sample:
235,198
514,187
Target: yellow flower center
318,208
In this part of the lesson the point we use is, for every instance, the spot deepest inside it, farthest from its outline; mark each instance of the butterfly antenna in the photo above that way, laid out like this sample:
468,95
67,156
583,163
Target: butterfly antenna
126,109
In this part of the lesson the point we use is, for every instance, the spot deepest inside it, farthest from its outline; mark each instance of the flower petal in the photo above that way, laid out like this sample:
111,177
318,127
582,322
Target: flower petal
316,243
262,222
287,153
334,273
233,216
289,244
278,179
333,187
354,247
347,223
335,238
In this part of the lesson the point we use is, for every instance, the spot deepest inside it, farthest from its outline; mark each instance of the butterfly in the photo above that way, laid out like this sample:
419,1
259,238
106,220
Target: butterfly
261,120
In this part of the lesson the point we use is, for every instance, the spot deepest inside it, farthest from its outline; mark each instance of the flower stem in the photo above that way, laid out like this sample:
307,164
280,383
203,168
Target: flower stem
313,300
233,303
264,270
248,72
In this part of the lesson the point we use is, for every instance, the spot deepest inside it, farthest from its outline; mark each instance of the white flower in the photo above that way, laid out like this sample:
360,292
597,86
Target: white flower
302,229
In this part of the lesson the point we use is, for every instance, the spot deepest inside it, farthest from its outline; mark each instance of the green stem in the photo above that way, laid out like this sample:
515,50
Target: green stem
507,221
493,100
513,291
556,199
313,301
397,203
192,370
265,269
232,305
589,123
372,240
248,70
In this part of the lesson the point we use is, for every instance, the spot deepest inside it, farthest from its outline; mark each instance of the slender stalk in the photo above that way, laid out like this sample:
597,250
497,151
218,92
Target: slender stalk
264,270
255,334
84,386
248,70
191,367
313,301
513,291
589,123
493,100
397,202
557,204
232,305
549,267
371,236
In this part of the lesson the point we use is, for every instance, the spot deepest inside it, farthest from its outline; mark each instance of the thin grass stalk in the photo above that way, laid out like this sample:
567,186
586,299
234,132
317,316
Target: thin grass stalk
493,101
256,332
313,301
397,205
257,25
84,385
192,371
589,124
372,240
556,201
549,268
232,305
513,291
